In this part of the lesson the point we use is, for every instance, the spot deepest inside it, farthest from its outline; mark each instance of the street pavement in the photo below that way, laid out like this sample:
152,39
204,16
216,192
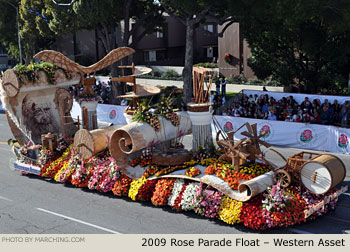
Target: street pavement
33,205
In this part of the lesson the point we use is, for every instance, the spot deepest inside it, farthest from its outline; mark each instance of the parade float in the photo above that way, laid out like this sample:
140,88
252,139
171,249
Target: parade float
145,160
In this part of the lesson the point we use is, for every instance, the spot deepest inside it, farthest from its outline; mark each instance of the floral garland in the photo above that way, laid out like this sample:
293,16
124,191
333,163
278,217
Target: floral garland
227,173
30,72
189,199
175,192
146,191
169,169
162,192
110,177
208,200
150,171
192,172
122,185
135,186
230,210
135,162
255,169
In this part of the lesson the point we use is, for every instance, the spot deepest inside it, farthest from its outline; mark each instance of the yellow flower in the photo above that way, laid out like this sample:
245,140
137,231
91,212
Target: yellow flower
230,210
135,187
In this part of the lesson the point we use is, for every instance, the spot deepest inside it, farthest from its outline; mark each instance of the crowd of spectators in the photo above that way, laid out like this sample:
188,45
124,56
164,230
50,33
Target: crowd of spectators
287,109
102,89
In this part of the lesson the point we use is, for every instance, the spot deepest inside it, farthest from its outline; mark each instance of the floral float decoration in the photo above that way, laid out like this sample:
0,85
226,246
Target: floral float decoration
30,72
192,172
144,114
164,108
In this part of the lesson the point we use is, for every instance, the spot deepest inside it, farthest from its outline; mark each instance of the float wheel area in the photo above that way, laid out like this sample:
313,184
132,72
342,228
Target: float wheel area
283,177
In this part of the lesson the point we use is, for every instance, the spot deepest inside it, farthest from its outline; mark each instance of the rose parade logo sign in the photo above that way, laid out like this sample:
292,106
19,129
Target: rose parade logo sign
306,136
267,129
343,141
228,126
112,114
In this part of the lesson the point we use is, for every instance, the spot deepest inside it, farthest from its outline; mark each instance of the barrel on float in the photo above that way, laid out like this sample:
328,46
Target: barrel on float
322,173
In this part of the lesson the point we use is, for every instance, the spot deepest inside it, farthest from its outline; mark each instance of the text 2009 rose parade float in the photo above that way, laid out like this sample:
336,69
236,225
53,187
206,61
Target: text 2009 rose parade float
146,161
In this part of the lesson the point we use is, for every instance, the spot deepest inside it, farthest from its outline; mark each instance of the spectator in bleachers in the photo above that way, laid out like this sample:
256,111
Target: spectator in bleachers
287,109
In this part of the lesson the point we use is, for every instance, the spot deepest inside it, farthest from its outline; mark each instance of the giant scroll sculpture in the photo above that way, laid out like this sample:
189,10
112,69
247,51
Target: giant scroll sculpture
36,108
137,136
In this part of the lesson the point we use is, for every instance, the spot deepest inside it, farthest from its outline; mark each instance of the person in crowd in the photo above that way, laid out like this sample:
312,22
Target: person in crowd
217,85
306,103
315,118
223,82
325,115
271,115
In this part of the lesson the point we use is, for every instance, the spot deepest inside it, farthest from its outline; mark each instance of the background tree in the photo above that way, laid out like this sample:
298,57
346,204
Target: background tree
303,42
8,27
104,16
192,13
35,32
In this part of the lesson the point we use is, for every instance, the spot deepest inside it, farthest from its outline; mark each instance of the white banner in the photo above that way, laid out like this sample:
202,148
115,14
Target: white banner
105,113
111,114
299,98
290,134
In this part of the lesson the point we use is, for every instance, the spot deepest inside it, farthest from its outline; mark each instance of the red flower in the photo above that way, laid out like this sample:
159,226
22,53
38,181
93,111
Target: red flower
122,185
146,191
162,192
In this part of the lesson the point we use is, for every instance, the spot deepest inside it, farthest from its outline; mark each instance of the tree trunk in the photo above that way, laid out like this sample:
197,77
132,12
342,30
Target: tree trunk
118,88
187,72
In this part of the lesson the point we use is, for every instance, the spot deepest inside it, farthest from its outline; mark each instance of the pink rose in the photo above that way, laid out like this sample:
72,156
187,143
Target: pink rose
228,126
307,134
343,139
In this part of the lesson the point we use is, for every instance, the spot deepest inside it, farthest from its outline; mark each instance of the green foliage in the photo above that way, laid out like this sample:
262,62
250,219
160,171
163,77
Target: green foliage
206,65
170,73
35,31
237,78
8,27
295,41
30,72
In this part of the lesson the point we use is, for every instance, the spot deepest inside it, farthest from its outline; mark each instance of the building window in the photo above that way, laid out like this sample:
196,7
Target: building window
209,27
150,56
159,32
154,55
210,52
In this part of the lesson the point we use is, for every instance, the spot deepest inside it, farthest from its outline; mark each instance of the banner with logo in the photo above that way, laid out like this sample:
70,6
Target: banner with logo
290,134
340,138
111,114
105,113
299,98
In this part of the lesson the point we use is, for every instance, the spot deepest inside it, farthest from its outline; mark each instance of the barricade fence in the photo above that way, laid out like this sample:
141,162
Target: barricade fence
289,134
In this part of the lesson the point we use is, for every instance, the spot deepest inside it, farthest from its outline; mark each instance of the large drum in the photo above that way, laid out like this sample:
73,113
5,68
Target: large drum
322,173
